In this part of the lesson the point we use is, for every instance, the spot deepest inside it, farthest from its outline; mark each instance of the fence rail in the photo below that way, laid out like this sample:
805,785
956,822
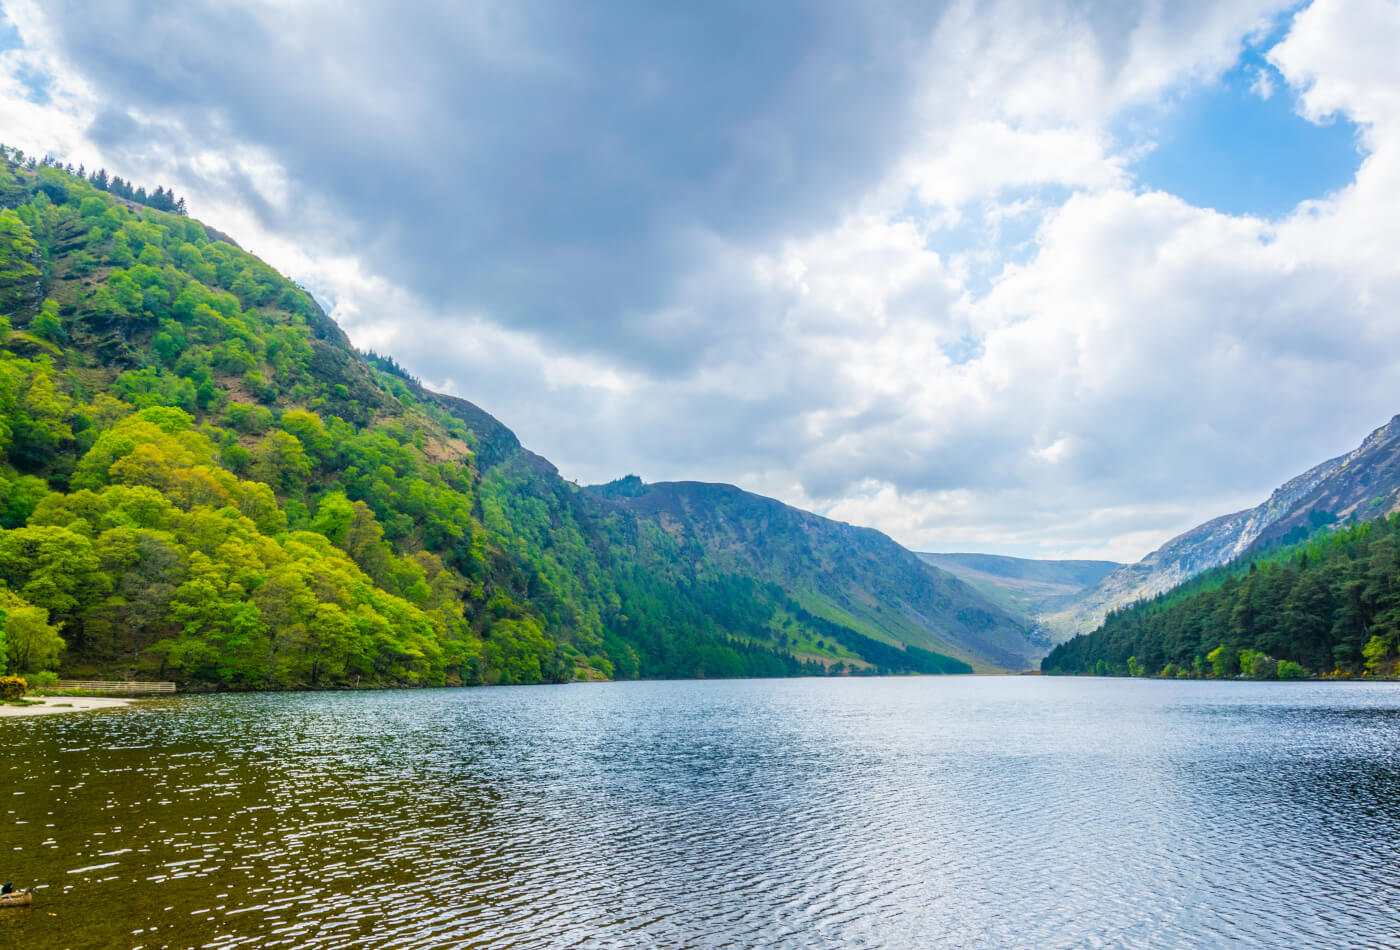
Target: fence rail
113,686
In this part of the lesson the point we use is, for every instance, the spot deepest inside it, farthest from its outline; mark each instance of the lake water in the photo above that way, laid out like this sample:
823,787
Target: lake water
915,812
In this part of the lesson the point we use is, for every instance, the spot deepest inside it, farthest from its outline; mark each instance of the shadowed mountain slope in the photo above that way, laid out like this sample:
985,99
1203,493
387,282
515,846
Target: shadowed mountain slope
851,575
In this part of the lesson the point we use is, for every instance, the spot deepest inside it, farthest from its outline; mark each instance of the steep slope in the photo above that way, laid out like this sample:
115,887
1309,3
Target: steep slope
201,479
854,576
1362,485
1024,587
1329,605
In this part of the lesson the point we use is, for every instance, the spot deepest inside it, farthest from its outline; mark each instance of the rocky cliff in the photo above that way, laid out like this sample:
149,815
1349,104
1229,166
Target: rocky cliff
1363,484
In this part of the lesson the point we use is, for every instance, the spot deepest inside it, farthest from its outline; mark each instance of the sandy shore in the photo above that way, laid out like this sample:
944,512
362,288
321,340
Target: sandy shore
62,704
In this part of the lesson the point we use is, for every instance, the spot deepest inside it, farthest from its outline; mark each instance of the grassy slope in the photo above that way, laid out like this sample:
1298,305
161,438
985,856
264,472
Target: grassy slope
853,576
1023,587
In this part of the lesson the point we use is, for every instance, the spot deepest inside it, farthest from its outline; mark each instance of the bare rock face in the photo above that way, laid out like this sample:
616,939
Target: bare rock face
1361,485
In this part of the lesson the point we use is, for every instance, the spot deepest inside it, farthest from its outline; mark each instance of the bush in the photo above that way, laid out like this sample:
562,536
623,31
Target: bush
1288,670
12,687
43,679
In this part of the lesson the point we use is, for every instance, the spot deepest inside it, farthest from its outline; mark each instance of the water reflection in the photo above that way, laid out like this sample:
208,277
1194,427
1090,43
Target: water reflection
868,813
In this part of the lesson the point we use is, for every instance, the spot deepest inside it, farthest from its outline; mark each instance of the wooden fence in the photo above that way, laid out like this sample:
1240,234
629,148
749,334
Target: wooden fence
108,686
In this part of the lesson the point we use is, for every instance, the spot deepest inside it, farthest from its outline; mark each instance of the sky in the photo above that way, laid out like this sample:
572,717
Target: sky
1050,278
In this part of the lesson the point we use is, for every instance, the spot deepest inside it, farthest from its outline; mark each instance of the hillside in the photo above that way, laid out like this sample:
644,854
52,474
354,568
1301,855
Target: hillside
201,479
853,576
1328,605
1362,485
1024,587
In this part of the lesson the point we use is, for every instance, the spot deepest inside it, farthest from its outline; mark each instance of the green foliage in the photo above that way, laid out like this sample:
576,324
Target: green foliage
1221,662
47,324
201,479
19,260
42,679
1256,665
31,642
1330,604
881,656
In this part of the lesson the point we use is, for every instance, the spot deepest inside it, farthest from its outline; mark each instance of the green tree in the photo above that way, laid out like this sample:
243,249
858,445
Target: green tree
53,568
1220,662
19,260
31,642
48,325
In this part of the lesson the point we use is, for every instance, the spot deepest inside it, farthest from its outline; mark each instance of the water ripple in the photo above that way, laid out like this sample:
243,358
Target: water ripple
962,813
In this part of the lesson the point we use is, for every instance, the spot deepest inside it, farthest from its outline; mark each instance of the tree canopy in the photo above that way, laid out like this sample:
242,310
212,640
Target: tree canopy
1329,605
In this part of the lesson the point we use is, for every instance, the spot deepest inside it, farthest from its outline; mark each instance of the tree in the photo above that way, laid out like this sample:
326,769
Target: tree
280,461
1220,662
47,325
19,260
52,567
31,642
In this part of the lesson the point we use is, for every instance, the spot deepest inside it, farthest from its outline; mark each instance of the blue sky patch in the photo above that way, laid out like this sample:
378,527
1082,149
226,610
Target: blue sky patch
1227,146
9,36
36,84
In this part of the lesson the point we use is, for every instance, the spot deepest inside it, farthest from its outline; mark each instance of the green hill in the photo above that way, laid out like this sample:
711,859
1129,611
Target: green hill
853,576
201,479
1327,605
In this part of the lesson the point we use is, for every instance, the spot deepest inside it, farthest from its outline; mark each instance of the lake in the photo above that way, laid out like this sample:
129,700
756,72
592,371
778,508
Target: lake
901,812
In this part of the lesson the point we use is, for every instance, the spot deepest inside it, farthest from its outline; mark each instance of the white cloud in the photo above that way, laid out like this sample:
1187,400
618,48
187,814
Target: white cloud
995,341
987,157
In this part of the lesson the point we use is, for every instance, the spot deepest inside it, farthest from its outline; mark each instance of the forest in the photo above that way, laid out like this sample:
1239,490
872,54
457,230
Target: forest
1326,606
201,479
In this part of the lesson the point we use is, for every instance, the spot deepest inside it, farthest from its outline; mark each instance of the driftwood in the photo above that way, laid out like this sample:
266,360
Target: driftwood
17,899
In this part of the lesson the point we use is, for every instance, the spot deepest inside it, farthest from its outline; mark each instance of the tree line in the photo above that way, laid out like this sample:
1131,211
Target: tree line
161,198
1325,606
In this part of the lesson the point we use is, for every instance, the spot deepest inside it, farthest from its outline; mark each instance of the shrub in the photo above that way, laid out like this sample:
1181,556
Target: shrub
43,679
12,687
1288,670
1220,662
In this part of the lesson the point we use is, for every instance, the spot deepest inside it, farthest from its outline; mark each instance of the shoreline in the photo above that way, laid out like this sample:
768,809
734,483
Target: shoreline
50,705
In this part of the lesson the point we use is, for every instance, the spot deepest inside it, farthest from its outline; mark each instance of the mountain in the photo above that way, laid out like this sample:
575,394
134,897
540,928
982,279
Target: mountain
1024,587
1328,605
1361,485
856,577
201,479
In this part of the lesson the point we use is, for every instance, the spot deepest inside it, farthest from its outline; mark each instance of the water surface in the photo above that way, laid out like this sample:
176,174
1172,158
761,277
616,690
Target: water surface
910,812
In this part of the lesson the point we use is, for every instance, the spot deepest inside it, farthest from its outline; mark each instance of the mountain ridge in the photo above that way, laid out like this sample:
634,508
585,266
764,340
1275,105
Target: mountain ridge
1362,484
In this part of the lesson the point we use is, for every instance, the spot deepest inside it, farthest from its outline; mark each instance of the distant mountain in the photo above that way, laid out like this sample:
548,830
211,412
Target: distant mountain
1024,587
852,576
1362,485
1324,606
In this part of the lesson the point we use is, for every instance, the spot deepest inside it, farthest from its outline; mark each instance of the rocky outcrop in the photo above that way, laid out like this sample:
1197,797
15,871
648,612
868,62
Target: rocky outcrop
1363,484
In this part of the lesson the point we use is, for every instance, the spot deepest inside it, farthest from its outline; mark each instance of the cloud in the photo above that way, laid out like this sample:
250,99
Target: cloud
886,261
